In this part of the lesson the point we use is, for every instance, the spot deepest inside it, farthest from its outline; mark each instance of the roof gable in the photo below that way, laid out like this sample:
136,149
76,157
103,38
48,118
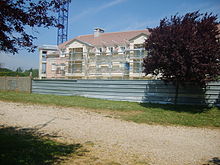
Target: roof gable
81,42
142,34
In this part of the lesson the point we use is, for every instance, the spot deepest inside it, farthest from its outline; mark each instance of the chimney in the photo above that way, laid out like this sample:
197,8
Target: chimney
98,32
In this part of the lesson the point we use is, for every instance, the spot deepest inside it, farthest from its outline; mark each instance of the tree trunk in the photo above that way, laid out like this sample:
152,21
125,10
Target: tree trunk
176,93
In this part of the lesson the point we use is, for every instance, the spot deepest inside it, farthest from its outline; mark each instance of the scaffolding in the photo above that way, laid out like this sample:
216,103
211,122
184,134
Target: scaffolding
126,64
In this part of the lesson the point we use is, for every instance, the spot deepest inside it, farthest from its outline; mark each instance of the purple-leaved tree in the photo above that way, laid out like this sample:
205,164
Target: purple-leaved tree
184,49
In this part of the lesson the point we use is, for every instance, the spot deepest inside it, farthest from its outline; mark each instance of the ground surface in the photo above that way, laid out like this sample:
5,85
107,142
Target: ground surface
112,141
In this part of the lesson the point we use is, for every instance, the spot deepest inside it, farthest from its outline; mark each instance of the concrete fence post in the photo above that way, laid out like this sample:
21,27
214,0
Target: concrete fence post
30,79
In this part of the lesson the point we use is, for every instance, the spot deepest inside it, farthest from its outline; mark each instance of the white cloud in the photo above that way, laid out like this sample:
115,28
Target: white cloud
95,10
141,25
110,4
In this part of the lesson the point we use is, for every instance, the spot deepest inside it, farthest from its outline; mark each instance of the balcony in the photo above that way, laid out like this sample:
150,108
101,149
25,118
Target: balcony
138,54
76,57
53,54
75,69
74,74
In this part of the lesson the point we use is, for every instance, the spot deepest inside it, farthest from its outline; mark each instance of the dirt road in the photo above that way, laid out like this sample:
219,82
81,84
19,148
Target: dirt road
120,141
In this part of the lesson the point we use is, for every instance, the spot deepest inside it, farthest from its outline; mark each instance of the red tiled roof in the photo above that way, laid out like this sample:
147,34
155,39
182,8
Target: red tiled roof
107,39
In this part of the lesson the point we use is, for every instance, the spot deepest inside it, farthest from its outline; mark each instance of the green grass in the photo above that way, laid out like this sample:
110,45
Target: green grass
138,112
23,147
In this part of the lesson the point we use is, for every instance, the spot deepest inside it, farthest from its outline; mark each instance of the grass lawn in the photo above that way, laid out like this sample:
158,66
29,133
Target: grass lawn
24,147
197,116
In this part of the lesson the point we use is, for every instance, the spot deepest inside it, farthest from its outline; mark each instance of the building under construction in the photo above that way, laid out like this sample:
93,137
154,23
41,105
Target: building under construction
116,55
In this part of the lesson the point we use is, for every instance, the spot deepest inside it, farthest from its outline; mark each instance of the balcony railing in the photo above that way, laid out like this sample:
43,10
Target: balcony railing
73,56
76,57
75,70
138,54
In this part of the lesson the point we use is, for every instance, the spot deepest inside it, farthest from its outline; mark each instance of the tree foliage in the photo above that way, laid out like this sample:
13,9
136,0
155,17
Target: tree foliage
184,49
17,15
19,72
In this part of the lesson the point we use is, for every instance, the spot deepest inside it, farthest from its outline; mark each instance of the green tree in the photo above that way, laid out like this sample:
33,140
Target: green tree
17,15
19,70
32,72
35,73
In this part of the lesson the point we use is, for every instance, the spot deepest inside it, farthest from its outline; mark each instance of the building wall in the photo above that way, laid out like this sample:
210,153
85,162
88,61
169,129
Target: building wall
44,51
41,75
95,64
78,63
55,69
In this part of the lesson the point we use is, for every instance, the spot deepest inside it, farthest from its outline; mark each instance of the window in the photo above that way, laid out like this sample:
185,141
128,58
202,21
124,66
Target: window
71,50
58,70
75,53
122,48
44,52
98,51
62,66
137,66
111,49
44,58
53,67
63,53
108,51
44,67
77,67
127,66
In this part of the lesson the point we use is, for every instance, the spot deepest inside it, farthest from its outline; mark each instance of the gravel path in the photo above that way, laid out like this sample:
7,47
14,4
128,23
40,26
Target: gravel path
118,139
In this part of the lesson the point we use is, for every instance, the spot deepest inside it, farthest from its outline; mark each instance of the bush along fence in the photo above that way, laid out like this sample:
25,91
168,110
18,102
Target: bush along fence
145,91
22,84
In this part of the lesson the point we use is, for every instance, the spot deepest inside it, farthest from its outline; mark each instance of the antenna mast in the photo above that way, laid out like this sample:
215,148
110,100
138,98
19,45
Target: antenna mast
63,20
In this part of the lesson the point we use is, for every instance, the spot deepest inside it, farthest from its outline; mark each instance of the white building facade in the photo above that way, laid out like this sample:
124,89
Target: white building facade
116,55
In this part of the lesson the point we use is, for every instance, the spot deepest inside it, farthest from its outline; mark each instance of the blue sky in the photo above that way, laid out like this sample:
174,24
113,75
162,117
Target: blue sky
112,15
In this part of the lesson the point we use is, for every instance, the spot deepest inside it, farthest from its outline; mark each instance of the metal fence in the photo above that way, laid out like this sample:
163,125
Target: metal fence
149,91
22,84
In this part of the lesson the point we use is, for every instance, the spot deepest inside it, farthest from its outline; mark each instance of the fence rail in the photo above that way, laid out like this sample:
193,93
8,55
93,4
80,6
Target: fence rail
147,91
